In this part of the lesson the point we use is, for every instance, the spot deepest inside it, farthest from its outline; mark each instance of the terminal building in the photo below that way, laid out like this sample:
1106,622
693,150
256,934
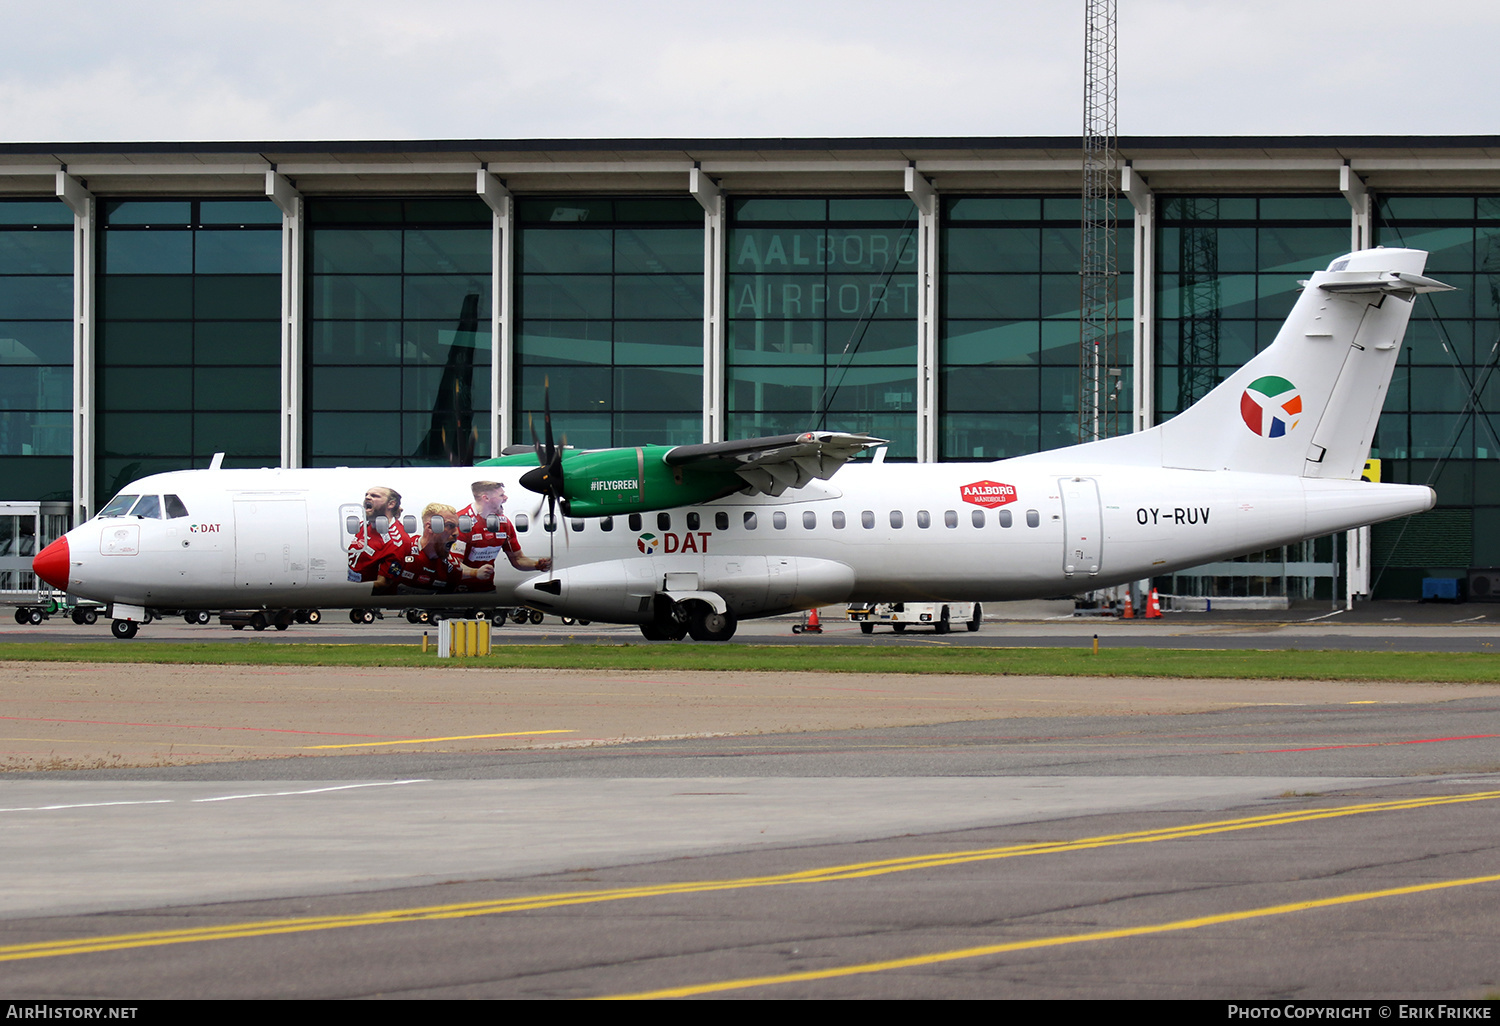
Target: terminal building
402,303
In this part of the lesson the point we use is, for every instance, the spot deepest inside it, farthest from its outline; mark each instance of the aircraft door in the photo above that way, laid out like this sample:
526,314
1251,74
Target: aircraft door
1083,526
270,542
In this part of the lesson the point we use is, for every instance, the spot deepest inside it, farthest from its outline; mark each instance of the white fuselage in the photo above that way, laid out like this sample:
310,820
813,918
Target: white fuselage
891,532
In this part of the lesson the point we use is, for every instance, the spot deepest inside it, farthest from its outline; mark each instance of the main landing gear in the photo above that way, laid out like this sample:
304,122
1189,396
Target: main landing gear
696,619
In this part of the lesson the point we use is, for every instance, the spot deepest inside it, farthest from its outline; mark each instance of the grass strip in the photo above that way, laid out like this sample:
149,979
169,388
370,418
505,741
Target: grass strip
1412,667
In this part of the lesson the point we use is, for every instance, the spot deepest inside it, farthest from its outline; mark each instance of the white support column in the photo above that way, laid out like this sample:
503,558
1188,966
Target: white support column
920,191
502,301
1143,297
85,442
1353,188
1361,236
715,376
293,224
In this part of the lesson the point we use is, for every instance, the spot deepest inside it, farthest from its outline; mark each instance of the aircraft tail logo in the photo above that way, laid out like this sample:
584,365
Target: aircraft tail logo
1271,406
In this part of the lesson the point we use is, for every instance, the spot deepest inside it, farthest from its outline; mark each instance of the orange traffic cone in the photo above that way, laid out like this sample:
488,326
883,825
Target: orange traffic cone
1153,606
1129,613
814,626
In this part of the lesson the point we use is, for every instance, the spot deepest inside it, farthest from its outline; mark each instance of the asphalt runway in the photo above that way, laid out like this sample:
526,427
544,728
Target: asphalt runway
1371,626
905,837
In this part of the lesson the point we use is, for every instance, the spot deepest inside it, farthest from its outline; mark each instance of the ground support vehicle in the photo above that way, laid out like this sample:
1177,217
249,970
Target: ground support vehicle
940,616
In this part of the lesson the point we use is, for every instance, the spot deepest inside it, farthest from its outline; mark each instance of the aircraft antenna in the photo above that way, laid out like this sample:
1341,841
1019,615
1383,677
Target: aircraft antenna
1100,382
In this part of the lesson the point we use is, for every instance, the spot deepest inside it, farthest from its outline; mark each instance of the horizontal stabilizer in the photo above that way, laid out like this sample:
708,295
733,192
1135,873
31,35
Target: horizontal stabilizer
1394,282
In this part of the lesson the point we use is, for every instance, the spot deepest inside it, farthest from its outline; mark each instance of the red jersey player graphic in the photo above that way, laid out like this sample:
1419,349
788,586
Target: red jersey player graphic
424,565
474,553
380,536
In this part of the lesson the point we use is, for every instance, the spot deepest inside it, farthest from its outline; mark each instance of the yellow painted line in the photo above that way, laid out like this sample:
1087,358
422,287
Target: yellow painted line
936,957
429,740
820,874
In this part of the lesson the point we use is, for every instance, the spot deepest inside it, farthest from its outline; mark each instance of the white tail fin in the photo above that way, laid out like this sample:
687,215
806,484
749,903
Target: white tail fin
1308,405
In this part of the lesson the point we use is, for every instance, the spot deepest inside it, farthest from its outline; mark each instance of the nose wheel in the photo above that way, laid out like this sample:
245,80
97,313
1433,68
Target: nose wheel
124,629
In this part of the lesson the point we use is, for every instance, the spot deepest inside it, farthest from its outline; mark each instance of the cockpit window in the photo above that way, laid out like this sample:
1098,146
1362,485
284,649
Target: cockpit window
148,507
175,508
119,506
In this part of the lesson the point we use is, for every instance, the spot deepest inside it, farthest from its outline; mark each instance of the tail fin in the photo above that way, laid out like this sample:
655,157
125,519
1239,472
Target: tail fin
1307,406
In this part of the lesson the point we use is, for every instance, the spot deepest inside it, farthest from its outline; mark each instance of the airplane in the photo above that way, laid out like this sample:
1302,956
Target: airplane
689,540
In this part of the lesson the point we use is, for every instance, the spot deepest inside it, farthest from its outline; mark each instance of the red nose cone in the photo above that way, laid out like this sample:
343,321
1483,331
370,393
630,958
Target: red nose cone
51,564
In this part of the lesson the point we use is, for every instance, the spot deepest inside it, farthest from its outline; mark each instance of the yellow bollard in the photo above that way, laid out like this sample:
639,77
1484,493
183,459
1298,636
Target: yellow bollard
484,637
1096,644
424,642
471,637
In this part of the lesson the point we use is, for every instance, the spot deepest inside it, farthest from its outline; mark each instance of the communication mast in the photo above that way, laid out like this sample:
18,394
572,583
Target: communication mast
1100,382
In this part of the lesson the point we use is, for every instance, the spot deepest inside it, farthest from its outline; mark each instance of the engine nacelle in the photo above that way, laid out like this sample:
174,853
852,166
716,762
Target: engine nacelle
626,590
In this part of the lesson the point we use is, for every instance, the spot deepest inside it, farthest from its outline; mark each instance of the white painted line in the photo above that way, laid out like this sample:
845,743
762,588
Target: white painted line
312,790
87,805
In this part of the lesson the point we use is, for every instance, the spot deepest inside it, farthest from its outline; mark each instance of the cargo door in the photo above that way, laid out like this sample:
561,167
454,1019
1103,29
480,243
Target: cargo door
270,543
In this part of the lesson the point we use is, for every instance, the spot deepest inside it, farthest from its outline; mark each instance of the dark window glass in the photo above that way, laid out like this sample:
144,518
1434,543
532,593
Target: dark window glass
977,517
924,519
749,521
809,519
778,520
721,520
664,521
867,519
838,520
610,310
607,524
635,521
1033,518
149,507
1004,517
175,508
692,521
896,518
950,518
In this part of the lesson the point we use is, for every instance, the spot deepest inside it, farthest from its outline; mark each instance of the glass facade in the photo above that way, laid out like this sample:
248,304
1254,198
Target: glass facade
397,337
36,349
609,315
1009,329
188,336
822,315
1227,273
1439,426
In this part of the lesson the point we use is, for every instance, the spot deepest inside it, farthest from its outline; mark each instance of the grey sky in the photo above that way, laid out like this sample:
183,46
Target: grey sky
212,70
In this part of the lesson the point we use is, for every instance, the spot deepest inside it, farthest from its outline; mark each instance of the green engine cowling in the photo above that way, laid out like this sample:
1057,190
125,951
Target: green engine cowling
611,482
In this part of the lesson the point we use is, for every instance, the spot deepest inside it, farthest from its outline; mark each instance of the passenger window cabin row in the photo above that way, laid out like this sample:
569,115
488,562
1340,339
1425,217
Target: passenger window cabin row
750,520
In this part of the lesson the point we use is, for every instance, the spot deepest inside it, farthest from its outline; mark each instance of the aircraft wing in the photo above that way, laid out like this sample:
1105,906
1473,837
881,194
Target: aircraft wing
775,463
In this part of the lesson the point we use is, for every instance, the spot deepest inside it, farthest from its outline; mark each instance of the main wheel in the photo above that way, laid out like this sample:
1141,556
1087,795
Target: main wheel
584,623
314,616
202,618
22,614
34,616
124,629
91,617
706,625
973,624
899,628
568,621
520,616
259,622
867,628
658,632
76,616
356,616
281,626
942,626
537,617
366,616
